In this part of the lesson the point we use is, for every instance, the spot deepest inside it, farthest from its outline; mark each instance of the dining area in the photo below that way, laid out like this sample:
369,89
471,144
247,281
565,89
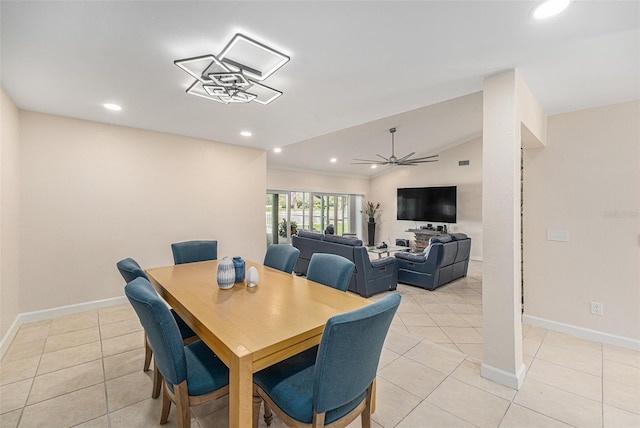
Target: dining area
269,337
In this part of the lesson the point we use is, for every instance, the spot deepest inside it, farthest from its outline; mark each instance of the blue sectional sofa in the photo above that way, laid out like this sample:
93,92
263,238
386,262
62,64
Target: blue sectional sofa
444,260
369,276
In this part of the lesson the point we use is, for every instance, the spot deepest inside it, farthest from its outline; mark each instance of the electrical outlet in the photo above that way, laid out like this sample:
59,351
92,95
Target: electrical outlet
597,308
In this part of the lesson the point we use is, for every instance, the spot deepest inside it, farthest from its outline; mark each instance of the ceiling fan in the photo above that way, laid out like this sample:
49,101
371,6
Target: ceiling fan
393,160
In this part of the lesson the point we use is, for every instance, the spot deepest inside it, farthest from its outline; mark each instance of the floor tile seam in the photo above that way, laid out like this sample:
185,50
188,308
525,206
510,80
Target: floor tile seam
66,349
447,411
26,400
584,371
624,363
618,408
510,400
62,394
28,377
602,386
562,366
632,367
583,344
478,388
634,386
72,331
434,368
577,394
104,375
110,410
541,413
408,413
120,335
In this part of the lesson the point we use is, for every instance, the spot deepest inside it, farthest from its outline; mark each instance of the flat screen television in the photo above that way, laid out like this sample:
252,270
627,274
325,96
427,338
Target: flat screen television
436,204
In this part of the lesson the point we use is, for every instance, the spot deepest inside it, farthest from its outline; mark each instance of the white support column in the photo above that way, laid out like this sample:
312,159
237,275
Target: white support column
502,324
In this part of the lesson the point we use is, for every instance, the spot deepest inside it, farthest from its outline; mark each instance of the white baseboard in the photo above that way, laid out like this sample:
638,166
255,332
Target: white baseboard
583,333
476,258
511,380
46,314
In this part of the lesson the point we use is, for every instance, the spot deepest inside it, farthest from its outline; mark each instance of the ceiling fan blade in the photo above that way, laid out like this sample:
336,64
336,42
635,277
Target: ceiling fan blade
407,156
405,163
385,159
415,161
368,162
426,157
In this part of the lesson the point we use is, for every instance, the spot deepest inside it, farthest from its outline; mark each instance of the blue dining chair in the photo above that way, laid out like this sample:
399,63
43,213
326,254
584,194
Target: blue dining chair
130,270
334,385
330,269
281,256
192,374
194,251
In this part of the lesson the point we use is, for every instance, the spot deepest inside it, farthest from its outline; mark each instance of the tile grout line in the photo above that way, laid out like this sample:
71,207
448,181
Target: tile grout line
104,373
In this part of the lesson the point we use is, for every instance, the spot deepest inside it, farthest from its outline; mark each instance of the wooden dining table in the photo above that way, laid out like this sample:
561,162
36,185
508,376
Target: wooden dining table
250,328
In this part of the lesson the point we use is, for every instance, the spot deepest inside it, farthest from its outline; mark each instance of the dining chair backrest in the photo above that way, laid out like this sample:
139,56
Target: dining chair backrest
330,269
349,353
161,329
130,269
194,251
281,256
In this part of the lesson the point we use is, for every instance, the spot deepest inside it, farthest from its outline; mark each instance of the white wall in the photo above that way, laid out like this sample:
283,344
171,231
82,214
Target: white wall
445,172
9,211
586,181
278,179
92,194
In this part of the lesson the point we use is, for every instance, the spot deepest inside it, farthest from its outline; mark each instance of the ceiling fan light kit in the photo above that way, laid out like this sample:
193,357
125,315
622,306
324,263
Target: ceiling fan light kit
406,160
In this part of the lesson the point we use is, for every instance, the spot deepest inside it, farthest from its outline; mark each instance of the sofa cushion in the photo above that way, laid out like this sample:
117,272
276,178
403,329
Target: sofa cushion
309,234
459,236
354,242
417,258
443,239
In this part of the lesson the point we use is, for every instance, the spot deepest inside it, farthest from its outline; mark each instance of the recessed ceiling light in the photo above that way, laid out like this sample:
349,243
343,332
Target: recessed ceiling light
333,160
374,166
246,133
114,107
550,8
277,150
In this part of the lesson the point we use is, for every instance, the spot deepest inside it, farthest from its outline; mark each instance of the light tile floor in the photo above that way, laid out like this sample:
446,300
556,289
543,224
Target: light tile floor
85,370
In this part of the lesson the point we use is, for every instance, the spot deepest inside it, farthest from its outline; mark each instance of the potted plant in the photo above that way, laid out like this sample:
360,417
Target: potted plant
371,209
282,228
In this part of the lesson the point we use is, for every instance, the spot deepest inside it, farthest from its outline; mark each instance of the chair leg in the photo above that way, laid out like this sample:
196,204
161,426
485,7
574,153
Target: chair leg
166,405
268,416
183,412
157,381
148,352
365,416
256,409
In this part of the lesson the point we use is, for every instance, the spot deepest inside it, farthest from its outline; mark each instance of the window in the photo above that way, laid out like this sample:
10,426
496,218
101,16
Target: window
308,211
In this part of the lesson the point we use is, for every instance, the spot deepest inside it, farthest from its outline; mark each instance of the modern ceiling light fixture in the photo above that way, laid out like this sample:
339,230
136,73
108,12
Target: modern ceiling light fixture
234,75
550,8
393,160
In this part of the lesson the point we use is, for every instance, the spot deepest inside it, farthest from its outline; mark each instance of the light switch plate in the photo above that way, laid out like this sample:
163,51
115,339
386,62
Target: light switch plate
558,235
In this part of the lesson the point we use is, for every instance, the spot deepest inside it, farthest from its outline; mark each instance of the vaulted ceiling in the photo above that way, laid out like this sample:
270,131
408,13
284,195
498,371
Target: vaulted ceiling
357,68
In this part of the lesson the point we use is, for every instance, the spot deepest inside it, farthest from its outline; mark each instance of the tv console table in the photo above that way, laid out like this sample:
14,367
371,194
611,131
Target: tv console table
422,237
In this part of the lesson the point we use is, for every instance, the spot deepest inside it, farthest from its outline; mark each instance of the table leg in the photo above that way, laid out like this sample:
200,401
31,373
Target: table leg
241,390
